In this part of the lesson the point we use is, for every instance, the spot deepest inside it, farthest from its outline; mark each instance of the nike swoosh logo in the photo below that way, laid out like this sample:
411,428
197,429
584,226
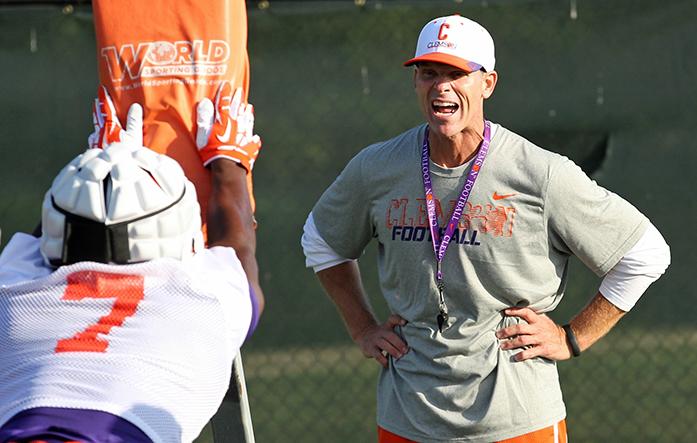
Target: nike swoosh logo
502,196
226,136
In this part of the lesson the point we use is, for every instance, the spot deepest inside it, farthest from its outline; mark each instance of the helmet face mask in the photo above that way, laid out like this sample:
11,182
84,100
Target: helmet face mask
88,240
123,204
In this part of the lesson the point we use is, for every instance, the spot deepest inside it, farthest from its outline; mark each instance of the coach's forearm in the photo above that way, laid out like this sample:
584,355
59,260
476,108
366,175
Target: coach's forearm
344,286
230,219
595,320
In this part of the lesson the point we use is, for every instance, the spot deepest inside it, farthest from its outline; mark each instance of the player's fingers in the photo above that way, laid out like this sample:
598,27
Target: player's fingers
256,142
93,138
110,131
134,123
205,115
248,119
245,127
100,102
253,147
237,106
219,93
222,99
108,108
97,119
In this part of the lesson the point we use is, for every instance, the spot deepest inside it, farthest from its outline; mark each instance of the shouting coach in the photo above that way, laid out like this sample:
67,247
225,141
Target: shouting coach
475,227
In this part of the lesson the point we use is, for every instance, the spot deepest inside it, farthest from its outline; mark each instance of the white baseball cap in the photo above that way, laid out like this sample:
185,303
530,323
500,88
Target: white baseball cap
457,41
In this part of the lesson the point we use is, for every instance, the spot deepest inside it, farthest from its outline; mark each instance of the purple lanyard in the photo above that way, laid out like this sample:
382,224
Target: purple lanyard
441,245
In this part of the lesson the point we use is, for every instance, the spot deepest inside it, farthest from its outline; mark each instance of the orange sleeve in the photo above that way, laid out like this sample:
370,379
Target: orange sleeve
167,56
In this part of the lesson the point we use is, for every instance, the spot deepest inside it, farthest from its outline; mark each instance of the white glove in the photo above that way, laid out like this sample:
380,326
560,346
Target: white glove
107,128
226,129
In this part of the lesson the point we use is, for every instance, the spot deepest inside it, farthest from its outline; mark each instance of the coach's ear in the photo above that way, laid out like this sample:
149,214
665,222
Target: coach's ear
489,81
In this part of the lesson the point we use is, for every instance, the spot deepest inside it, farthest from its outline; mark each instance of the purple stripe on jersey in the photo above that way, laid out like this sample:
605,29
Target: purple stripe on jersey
255,312
55,425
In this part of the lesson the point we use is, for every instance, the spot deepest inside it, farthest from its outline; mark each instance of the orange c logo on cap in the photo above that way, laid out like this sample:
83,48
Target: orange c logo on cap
441,34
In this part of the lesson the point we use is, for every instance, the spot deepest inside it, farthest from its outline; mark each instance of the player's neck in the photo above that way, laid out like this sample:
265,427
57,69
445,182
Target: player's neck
453,151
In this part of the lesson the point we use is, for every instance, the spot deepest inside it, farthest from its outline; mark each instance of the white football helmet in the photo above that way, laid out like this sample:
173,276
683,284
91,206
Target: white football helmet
122,204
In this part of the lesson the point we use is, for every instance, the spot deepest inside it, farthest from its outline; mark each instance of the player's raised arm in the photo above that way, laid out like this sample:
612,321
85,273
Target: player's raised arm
228,147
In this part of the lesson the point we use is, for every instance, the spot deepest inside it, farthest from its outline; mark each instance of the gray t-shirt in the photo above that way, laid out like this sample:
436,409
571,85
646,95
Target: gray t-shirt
530,209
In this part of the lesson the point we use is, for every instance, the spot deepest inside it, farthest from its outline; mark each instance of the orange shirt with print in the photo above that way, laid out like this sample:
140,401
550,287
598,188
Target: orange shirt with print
167,56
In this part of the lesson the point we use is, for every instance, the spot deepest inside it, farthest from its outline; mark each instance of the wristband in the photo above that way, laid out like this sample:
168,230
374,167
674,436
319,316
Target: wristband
571,339
255,312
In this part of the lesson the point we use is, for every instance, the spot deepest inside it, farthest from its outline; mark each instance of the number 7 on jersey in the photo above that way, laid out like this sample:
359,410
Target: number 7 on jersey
128,290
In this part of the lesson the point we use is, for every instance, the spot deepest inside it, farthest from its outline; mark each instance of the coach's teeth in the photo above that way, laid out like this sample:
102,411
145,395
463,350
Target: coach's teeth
443,103
444,107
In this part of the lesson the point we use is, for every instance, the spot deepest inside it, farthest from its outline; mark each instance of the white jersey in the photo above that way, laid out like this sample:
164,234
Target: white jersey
153,343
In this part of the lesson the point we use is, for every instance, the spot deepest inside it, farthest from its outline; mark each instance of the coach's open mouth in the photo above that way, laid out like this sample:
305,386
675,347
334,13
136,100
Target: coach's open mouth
444,107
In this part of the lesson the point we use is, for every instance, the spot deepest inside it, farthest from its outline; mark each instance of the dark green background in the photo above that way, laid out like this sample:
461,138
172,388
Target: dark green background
614,89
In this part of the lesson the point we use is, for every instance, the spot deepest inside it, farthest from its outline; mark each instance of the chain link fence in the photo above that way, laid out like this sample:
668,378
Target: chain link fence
608,83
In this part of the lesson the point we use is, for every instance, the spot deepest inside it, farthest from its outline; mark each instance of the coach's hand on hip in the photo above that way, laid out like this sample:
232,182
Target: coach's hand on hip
379,341
540,336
